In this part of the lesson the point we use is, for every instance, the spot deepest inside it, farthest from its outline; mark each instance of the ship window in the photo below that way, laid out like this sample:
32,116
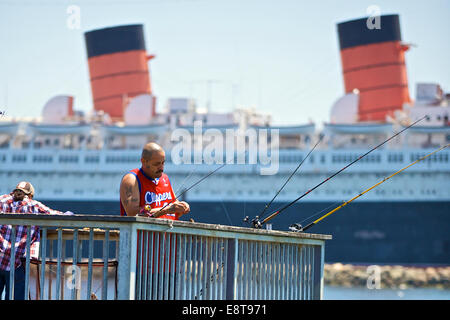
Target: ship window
68,159
42,158
19,158
92,159
394,157
112,159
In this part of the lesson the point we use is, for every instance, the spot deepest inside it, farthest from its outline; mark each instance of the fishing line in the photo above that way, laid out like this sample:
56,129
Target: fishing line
226,212
209,174
317,213
185,180
245,207
177,196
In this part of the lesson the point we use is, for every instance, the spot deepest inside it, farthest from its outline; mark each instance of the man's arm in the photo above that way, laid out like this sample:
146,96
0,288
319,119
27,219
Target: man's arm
176,207
129,194
38,207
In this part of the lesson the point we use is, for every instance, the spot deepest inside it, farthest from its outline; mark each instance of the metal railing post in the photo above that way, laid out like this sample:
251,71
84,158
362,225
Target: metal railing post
319,260
127,263
12,265
232,263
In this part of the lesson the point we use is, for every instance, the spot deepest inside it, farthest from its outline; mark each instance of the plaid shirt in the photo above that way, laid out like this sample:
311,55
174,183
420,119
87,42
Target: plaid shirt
26,206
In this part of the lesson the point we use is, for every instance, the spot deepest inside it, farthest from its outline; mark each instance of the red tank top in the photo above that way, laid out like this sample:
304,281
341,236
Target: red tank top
155,192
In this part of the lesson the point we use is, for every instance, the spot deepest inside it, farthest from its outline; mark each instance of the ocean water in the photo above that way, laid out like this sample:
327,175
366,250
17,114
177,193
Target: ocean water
344,293
330,292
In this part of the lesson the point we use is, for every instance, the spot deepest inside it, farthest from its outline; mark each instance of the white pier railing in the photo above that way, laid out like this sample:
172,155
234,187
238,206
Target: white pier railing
128,258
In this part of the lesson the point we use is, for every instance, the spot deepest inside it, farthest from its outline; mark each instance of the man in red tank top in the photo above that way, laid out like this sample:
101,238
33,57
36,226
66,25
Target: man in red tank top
147,190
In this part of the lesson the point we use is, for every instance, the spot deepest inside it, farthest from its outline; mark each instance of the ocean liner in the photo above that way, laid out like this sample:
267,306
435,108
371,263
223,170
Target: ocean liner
76,161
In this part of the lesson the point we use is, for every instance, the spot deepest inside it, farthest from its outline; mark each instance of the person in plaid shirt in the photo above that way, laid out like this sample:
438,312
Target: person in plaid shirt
18,201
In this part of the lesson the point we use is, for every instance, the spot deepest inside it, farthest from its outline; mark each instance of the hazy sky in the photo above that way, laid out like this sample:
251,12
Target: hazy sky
280,56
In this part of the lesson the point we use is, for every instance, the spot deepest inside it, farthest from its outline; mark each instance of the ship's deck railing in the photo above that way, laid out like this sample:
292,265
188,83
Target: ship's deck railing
112,257
112,161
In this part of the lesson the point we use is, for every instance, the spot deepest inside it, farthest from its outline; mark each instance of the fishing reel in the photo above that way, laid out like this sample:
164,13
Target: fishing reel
296,227
256,223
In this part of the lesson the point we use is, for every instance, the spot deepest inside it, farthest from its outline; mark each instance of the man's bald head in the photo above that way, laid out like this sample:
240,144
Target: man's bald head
153,159
149,149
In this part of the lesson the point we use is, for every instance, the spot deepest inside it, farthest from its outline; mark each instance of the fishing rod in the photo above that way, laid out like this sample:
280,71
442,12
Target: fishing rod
148,208
209,174
292,174
297,227
258,224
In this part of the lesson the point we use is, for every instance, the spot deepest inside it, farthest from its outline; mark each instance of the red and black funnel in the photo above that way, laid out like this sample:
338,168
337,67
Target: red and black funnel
118,67
373,62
